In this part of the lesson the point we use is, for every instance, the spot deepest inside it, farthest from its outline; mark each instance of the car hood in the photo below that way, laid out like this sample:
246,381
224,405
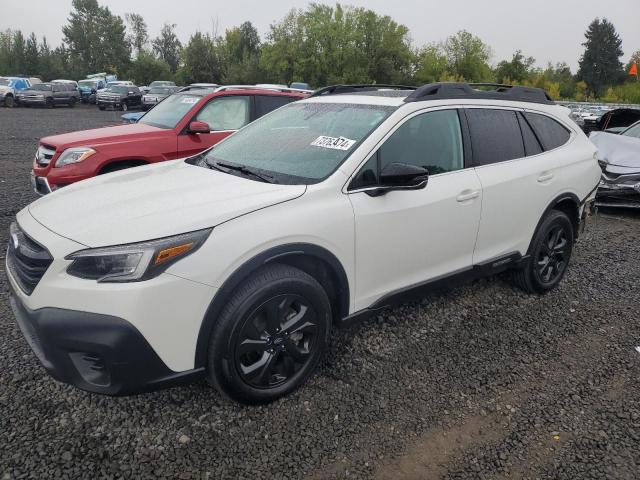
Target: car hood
152,202
102,136
617,150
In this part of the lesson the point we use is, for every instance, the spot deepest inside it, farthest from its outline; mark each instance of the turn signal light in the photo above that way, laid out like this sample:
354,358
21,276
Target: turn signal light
172,252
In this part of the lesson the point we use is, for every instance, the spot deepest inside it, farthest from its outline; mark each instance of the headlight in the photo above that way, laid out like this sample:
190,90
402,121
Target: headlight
136,261
74,155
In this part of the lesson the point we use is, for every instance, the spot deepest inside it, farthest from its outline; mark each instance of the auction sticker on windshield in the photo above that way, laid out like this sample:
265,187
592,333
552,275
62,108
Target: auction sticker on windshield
340,143
190,100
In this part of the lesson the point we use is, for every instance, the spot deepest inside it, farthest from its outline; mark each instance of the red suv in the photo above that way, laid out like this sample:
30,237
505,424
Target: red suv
183,124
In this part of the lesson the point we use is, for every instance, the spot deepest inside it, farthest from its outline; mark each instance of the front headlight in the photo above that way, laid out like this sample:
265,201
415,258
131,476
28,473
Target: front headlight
74,155
134,262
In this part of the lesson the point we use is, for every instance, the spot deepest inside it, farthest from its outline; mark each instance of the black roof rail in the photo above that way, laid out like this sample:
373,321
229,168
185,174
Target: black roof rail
446,90
337,89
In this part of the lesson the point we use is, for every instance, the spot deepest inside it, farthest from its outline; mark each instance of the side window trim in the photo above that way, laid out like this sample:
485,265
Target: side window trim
522,118
376,149
570,129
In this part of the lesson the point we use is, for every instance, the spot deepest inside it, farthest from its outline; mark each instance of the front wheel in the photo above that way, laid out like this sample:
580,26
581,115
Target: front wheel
49,102
9,101
124,107
72,102
270,336
101,107
549,254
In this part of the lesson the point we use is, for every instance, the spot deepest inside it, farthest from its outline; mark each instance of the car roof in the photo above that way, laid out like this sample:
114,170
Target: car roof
240,90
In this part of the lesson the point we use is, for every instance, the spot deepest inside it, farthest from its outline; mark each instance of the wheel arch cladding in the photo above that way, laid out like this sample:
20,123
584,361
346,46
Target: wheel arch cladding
567,203
314,260
127,163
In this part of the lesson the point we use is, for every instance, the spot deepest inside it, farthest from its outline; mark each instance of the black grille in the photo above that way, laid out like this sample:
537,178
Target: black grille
27,260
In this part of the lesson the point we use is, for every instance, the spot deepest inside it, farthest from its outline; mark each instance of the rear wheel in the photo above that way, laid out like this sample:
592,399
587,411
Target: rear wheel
549,254
124,107
270,336
9,101
101,107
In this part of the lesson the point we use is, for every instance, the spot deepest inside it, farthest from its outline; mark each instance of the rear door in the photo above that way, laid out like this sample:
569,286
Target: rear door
521,173
59,93
224,115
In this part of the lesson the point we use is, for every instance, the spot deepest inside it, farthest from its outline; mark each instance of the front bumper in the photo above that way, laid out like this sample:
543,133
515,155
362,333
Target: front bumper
31,101
618,195
97,353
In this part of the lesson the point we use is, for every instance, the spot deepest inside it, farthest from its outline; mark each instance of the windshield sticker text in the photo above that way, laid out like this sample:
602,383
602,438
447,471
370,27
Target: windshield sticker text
189,100
340,143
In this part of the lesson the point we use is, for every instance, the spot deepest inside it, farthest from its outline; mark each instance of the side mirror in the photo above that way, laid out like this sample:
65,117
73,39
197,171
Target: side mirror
199,127
400,176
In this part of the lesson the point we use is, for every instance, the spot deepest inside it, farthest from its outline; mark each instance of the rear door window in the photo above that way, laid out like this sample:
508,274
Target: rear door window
268,103
495,135
531,143
550,133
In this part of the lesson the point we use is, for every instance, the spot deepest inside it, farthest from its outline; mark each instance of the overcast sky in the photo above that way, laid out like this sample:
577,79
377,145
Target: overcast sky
547,30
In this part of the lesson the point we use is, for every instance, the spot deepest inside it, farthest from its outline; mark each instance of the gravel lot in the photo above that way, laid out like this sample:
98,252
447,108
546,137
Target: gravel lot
483,382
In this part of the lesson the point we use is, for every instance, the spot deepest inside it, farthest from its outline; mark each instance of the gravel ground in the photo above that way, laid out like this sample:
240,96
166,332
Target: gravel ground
482,382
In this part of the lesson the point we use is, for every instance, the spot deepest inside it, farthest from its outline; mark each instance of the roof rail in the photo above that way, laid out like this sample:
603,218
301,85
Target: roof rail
445,90
256,87
338,89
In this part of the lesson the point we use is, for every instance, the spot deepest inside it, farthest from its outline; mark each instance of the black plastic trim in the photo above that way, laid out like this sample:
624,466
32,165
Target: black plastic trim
340,89
97,353
272,255
451,91
564,196
445,282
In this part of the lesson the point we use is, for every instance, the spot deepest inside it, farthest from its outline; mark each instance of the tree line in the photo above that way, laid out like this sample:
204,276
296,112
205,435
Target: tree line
320,45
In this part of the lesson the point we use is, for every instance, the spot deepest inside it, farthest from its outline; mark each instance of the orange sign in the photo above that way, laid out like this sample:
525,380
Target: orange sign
634,69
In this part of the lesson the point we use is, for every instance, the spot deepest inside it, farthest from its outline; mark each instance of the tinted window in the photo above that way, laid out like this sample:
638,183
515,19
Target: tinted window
633,131
431,140
265,104
495,135
551,133
531,143
226,113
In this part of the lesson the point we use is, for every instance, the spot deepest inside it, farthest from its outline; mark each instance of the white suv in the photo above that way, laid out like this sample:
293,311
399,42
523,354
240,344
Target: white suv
236,263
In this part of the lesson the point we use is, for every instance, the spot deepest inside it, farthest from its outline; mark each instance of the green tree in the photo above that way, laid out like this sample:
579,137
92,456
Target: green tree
146,68
31,55
202,60
600,64
241,49
167,46
519,69
431,64
468,57
138,36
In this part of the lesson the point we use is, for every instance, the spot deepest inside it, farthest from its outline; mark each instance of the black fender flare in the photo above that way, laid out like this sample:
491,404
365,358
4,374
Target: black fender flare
245,270
560,198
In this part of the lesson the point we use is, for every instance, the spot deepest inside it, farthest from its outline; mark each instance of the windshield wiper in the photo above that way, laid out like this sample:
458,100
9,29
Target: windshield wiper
242,169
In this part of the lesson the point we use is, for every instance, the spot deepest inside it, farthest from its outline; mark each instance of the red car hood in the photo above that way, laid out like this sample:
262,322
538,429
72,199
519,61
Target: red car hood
101,136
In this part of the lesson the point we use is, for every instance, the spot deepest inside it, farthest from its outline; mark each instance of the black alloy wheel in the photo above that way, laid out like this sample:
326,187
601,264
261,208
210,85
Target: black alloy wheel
276,341
552,257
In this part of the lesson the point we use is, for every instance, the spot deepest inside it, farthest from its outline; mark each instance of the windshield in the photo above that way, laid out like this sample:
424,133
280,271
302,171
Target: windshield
87,83
161,90
301,142
633,131
170,111
45,87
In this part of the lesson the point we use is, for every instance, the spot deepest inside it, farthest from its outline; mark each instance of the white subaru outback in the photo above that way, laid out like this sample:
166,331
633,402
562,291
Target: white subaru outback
235,264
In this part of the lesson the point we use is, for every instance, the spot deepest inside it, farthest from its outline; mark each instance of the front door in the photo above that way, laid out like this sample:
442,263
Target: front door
224,115
404,238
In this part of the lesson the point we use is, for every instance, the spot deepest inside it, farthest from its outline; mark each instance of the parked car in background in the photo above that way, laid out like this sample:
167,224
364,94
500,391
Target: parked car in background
89,89
9,87
615,121
34,80
182,125
619,159
200,86
71,82
122,97
162,83
49,95
157,94
236,264
131,117
300,86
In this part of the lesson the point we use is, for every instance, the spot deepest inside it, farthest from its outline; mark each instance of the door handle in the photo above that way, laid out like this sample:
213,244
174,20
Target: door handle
545,177
466,195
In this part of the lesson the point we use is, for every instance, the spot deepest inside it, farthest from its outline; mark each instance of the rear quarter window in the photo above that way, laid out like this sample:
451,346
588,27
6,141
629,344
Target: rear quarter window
268,103
550,132
495,135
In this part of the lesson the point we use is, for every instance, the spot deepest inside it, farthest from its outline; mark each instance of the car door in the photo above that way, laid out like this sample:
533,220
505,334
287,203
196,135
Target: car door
57,93
520,173
224,115
404,238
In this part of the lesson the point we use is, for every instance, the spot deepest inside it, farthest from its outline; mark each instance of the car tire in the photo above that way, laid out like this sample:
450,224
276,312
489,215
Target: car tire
9,101
48,102
124,107
549,254
101,107
72,102
270,336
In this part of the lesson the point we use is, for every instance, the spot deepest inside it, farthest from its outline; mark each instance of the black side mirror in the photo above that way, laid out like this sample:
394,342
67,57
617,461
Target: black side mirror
400,176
